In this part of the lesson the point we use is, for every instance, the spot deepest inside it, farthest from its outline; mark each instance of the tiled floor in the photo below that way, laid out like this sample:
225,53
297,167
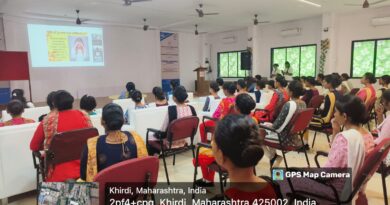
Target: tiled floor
183,172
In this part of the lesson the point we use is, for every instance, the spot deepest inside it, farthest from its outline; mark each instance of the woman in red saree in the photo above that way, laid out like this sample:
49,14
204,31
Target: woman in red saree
62,119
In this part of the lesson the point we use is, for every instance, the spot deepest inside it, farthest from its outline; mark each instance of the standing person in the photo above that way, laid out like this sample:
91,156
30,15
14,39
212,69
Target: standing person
130,88
88,104
159,97
65,118
15,108
346,85
115,146
220,84
18,94
214,88
288,71
311,90
276,71
368,91
223,109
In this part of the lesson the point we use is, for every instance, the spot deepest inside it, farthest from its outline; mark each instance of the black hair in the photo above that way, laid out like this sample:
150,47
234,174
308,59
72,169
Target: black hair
229,87
386,95
174,84
333,80
345,76
180,93
242,83
287,64
136,96
296,88
50,99
220,81
214,86
18,94
386,79
281,80
271,83
353,107
296,78
130,87
258,77
245,103
321,76
112,116
158,93
87,103
63,100
261,84
311,80
275,65
370,77
15,107
237,136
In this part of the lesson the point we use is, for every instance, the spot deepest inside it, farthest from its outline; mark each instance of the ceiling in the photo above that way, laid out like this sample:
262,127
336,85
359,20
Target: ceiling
177,15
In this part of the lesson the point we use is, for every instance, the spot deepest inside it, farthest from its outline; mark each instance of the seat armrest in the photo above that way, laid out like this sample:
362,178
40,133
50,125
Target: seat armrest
268,128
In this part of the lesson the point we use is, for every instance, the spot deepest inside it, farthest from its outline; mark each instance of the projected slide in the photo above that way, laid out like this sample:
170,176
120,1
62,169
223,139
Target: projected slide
65,46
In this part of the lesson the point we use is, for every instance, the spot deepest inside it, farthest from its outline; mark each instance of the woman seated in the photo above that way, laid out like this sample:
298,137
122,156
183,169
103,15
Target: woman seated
224,108
295,91
220,84
350,146
239,161
214,88
331,82
50,103
244,105
130,88
383,129
269,113
242,87
384,82
260,85
18,94
159,97
346,85
367,93
88,104
180,110
136,97
311,90
113,147
15,108
62,120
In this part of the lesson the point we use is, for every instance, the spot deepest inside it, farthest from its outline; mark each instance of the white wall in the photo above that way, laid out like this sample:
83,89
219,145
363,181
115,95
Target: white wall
189,59
130,55
269,37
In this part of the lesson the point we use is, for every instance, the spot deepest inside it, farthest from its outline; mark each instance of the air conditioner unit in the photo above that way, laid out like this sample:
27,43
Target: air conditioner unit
291,32
380,21
229,39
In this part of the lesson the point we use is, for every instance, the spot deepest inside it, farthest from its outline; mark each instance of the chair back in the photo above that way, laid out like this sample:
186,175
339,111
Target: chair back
301,121
354,91
214,105
68,146
140,172
316,102
370,105
370,165
182,128
277,109
29,113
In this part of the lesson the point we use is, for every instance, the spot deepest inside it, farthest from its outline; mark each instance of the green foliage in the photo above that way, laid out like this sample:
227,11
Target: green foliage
230,65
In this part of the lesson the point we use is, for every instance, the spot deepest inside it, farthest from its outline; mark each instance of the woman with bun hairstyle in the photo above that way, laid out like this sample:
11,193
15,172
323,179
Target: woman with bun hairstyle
350,146
214,88
159,97
113,147
295,90
331,82
239,161
136,96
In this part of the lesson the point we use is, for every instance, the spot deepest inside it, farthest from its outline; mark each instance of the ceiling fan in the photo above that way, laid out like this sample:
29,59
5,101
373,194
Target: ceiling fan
367,4
256,21
129,2
202,14
78,20
196,30
145,27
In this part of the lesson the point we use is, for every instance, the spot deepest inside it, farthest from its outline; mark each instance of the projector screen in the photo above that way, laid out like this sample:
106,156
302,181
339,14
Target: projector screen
65,46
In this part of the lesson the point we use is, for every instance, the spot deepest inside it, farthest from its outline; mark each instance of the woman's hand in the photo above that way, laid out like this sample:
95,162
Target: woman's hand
379,110
335,126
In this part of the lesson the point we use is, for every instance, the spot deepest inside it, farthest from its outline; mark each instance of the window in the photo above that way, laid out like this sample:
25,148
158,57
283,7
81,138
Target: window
303,59
370,56
229,65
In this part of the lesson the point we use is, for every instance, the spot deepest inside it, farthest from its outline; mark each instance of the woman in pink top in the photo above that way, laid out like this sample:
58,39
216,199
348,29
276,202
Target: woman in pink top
350,146
368,92
15,108
384,124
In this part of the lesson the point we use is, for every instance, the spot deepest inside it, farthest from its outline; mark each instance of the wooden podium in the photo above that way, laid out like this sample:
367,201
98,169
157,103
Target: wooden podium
201,85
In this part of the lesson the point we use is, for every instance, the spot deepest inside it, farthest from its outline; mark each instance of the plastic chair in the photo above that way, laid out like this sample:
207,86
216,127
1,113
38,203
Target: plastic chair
297,126
385,172
370,165
269,115
140,172
64,147
179,129
354,91
370,111
315,102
